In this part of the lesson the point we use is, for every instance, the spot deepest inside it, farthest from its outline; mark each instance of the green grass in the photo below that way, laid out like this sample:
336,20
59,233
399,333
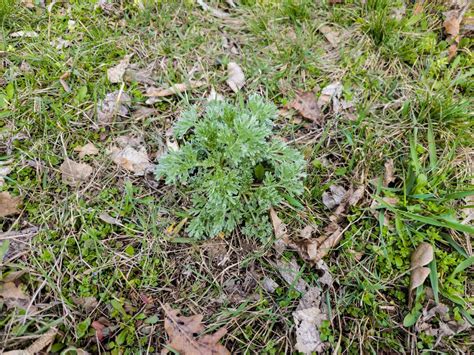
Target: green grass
410,105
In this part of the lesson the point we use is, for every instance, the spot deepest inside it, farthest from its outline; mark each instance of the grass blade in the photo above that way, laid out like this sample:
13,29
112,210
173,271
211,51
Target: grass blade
434,280
432,146
463,265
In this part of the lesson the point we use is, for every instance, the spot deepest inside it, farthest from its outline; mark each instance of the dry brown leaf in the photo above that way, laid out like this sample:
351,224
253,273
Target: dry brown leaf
114,104
308,318
418,277
357,196
115,74
331,35
19,241
88,303
422,256
310,248
130,155
389,176
326,277
142,76
331,93
236,77
269,285
451,26
174,89
13,296
281,236
307,106
334,236
334,197
142,112
155,93
8,204
88,149
75,173
104,216
38,345
181,331
290,272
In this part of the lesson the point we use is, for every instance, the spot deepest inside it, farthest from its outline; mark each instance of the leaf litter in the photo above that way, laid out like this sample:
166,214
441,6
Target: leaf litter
88,149
5,169
183,335
9,205
155,93
421,257
331,35
75,173
114,104
313,249
130,154
236,77
311,311
307,106
308,317
116,73
43,342
452,25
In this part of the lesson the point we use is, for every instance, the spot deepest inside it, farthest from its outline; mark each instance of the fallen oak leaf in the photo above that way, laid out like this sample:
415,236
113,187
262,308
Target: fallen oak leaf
181,331
236,77
307,106
334,234
9,204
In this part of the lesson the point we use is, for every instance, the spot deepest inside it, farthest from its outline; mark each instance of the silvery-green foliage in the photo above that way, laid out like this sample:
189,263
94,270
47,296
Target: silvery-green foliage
231,167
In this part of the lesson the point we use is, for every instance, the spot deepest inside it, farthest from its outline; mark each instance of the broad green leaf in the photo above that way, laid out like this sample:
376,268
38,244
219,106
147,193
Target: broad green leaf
83,327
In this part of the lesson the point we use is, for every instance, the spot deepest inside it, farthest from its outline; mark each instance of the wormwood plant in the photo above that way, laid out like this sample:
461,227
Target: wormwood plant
231,167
